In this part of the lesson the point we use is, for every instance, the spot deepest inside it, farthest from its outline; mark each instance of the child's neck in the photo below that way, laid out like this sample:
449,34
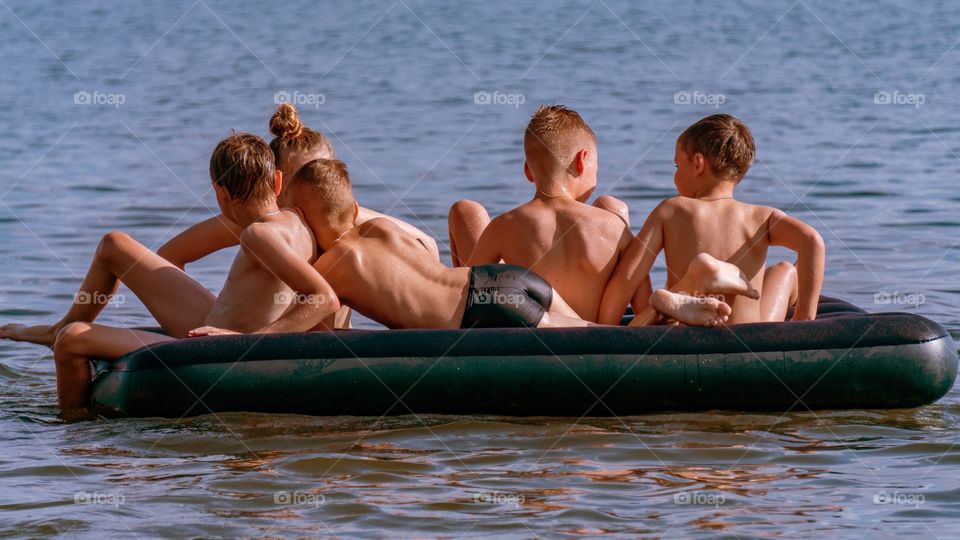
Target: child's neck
328,236
246,215
719,190
556,188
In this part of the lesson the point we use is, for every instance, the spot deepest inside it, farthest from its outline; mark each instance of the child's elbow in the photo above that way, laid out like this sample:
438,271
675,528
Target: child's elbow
815,243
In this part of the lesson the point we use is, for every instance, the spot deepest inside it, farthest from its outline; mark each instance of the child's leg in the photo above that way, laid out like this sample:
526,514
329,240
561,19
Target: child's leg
560,315
708,275
614,205
465,223
779,292
76,345
176,301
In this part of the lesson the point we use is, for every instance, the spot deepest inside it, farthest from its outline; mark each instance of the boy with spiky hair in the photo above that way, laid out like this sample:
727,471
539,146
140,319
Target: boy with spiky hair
573,245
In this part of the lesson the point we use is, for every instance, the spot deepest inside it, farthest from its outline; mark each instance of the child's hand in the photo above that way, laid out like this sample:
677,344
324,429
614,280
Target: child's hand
210,331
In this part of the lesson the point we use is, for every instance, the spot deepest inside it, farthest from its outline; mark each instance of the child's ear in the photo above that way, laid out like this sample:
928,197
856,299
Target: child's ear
527,172
356,211
580,161
699,163
278,182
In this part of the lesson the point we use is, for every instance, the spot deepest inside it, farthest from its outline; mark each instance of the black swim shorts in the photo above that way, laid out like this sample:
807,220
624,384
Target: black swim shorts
505,296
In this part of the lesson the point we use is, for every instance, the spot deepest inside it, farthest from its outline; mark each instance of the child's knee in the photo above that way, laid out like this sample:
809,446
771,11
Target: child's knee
113,243
613,205
68,343
466,210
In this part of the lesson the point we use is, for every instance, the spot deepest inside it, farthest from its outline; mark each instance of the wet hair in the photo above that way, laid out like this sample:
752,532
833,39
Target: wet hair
290,134
243,165
560,131
327,182
724,141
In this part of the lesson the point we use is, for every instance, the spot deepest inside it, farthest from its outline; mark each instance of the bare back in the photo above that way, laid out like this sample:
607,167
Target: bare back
252,297
575,247
726,229
380,271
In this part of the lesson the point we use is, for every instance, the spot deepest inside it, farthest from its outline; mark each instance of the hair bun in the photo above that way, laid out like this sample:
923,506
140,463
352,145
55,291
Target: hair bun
285,123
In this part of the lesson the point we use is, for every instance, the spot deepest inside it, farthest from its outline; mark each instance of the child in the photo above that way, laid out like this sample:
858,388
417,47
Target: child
271,270
712,156
379,270
293,145
574,246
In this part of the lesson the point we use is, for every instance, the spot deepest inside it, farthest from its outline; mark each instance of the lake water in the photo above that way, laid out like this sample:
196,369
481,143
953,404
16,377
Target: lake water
109,115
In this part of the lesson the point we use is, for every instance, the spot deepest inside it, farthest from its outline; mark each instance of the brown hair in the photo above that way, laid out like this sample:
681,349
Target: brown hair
328,183
558,130
243,164
291,134
724,141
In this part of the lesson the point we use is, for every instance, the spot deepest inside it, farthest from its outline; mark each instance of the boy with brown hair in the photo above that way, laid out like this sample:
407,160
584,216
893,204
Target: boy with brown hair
573,245
712,156
263,293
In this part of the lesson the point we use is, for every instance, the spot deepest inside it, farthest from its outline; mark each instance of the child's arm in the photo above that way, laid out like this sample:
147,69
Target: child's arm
791,233
633,271
314,298
200,240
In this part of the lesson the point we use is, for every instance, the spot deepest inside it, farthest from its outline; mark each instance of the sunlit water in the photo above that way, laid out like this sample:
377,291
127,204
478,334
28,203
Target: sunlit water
398,84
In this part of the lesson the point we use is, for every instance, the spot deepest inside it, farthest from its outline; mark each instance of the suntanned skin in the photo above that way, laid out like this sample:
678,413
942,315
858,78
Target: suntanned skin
378,270
574,246
219,232
272,269
706,219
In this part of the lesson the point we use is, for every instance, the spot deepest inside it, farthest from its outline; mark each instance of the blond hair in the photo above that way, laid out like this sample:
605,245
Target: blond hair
290,134
327,183
556,133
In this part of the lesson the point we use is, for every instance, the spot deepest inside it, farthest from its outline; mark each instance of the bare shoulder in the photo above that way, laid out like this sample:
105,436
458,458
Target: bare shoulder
379,227
671,206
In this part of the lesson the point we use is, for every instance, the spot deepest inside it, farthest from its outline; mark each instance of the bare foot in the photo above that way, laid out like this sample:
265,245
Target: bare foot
691,310
724,278
41,334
